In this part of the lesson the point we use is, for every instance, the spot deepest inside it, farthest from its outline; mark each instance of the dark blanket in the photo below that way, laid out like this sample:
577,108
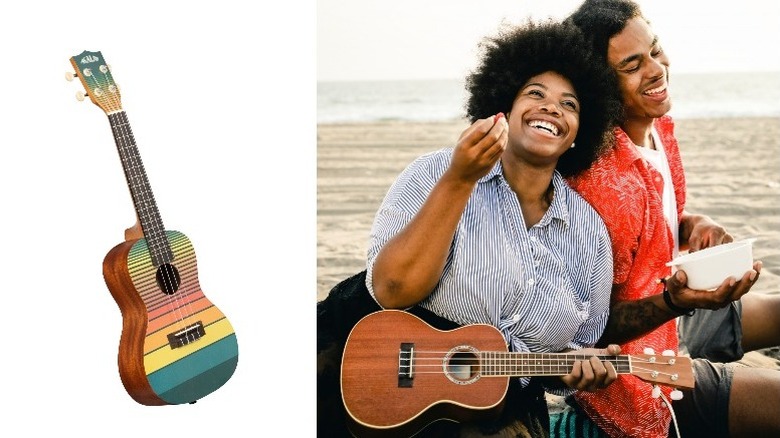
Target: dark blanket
348,302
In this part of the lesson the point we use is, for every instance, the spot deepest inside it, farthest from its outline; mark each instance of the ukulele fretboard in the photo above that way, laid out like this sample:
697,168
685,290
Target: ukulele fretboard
541,364
140,189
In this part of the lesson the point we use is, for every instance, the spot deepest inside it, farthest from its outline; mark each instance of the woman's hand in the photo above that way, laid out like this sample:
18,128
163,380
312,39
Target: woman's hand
411,263
479,148
592,374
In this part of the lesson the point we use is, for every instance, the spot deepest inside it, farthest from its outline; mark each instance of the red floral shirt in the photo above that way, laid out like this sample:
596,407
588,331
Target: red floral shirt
627,193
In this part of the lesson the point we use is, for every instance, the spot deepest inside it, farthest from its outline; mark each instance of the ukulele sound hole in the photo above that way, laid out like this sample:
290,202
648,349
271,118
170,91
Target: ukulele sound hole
168,278
462,366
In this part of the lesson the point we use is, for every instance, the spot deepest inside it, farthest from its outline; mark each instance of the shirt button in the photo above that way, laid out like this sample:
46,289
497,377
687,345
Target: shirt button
536,263
657,179
516,318
533,238
531,282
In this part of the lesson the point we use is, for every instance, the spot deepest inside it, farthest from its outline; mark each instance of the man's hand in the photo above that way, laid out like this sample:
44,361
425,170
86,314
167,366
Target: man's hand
592,374
730,290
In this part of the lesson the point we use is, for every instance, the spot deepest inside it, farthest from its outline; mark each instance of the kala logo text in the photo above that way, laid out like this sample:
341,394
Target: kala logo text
89,58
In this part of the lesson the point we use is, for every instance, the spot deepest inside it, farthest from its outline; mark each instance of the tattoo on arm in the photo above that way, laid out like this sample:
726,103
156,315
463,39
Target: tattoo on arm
631,319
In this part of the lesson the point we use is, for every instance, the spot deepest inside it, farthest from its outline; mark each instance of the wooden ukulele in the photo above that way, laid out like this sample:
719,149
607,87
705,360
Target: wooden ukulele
176,346
399,374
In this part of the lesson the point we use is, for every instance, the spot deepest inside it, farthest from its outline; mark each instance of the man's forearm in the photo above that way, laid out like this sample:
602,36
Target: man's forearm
629,320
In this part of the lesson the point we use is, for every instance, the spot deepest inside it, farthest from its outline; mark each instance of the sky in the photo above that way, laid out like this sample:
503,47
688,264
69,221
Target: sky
436,39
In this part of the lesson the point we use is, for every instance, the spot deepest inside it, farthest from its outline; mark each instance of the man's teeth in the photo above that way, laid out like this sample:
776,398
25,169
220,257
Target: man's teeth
547,126
656,90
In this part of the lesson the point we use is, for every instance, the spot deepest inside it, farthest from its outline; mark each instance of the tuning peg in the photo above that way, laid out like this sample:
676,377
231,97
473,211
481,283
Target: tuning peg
656,391
676,394
69,75
649,351
667,353
80,95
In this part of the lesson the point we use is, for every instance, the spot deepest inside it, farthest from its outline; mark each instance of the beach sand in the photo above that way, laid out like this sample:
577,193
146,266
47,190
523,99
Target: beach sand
731,169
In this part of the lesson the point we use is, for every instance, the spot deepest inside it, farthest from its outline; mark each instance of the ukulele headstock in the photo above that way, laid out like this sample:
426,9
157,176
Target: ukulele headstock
658,369
95,75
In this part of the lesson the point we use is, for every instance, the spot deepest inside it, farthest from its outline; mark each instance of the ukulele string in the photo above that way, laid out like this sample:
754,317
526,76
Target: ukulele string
512,356
501,363
637,369
136,172
422,360
506,361
442,354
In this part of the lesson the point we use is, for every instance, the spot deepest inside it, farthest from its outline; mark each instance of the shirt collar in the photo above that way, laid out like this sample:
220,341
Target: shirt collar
497,170
626,148
558,209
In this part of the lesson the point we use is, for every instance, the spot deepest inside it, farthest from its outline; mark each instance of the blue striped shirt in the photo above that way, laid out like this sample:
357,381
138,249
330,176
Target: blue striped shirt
546,288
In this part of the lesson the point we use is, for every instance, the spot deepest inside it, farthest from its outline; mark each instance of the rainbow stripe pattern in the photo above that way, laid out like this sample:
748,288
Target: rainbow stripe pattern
192,371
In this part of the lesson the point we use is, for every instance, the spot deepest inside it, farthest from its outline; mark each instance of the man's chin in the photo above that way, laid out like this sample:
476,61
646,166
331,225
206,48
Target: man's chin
660,110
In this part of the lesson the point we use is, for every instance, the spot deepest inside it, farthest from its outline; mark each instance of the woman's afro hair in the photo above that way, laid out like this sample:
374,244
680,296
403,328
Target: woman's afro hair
516,54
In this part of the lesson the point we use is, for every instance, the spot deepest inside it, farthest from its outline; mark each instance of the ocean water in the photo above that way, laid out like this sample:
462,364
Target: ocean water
693,96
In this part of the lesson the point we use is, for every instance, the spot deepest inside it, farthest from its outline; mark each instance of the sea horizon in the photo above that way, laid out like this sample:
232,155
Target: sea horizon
694,95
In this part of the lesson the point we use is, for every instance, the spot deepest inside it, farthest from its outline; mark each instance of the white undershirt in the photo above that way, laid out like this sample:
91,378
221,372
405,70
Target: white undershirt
657,159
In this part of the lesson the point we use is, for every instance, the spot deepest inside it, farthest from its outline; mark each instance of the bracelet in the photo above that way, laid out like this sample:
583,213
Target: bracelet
674,308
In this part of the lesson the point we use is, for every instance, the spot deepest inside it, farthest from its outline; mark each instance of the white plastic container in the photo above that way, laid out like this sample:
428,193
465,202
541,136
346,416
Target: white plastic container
706,269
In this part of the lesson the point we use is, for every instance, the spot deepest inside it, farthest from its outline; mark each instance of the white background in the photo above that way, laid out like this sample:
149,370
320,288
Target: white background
221,99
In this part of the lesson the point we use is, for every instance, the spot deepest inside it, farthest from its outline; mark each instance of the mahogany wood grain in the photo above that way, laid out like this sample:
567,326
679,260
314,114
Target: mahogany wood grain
433,396
399,374
134,321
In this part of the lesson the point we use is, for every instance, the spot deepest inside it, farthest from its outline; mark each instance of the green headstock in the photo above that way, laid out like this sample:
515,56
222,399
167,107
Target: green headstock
94,74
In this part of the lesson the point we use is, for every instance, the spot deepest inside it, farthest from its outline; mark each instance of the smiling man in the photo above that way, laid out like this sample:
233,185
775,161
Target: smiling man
638,188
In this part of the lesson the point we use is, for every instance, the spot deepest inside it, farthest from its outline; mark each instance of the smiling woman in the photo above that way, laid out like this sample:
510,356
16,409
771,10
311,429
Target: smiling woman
499,80
737,184
449,234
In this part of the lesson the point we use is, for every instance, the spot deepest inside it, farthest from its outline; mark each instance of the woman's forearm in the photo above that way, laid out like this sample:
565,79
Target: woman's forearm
410,264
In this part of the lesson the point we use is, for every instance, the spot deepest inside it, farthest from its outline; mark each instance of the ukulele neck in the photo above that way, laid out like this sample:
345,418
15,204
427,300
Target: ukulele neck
140,189
541,364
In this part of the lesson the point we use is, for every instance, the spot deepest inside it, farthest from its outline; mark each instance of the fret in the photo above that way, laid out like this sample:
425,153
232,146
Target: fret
541,364
140,190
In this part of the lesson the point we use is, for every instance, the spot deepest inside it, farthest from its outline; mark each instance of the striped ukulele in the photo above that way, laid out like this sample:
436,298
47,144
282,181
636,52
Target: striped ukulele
176,346
399,374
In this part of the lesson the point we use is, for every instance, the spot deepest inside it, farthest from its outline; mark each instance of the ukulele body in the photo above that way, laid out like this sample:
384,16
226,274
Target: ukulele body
176,346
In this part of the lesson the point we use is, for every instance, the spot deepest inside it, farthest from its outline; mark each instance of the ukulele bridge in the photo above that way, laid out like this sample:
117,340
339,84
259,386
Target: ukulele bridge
405,364
187,335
